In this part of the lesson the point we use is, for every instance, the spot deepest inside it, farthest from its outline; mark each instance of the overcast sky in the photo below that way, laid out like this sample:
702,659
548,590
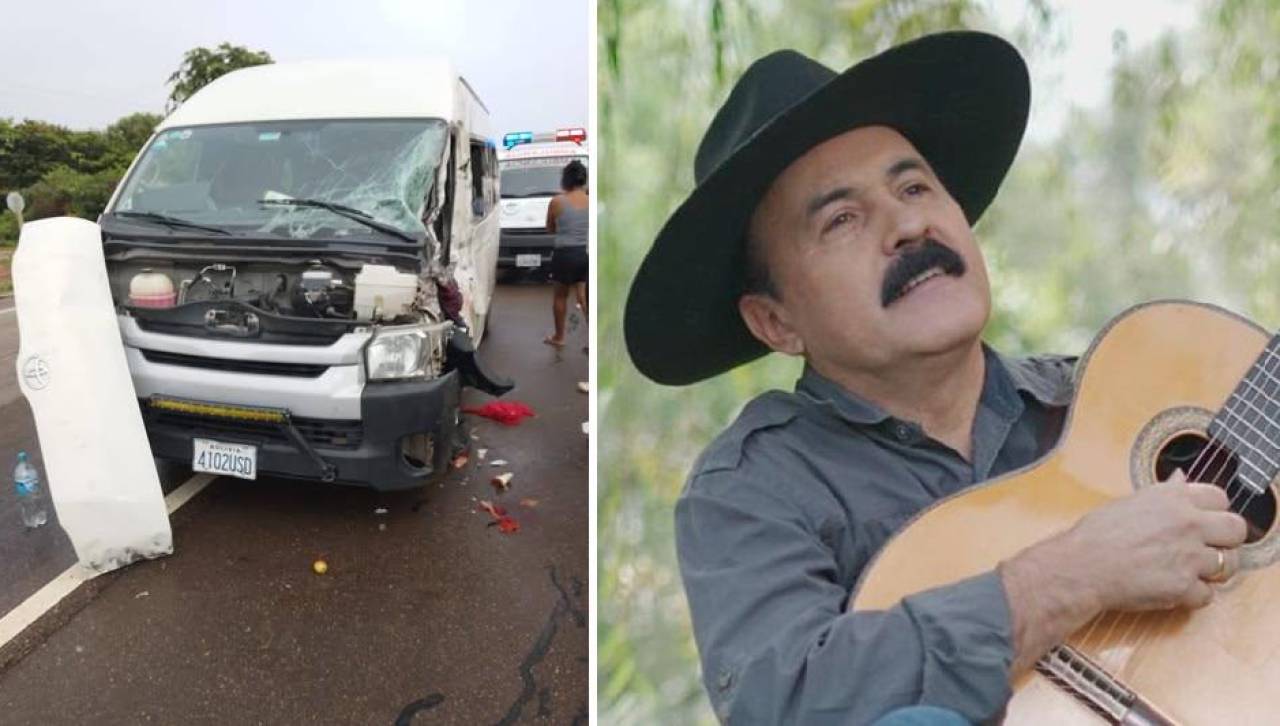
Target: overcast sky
86,63
1081,76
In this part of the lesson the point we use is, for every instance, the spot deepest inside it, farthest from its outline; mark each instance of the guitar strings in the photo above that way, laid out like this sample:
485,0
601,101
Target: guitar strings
1193,474
1146,620
1115,617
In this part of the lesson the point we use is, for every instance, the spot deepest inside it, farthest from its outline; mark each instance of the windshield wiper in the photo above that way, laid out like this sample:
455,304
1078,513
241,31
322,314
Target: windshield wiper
170,221
344,211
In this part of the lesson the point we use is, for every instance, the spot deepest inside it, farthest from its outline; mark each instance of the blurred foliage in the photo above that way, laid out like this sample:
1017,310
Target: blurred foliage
1166,190
65,172
8,228
201,66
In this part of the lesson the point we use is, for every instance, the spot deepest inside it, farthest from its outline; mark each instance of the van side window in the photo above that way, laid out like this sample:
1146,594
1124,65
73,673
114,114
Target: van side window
491,179
481,172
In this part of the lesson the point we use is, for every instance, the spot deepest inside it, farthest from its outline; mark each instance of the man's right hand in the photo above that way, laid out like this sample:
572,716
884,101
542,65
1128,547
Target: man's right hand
1155,549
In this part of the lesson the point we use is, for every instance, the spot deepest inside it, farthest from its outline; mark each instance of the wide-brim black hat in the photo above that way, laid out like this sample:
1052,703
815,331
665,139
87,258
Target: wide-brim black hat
961,98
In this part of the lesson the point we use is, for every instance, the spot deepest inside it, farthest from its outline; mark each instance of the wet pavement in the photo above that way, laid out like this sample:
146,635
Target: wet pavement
28,558
426,613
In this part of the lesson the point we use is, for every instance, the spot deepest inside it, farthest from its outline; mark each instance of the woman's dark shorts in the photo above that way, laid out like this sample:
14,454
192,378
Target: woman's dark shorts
569,265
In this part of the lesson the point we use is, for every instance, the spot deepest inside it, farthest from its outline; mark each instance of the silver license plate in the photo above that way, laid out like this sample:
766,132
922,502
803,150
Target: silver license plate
528,260
218,457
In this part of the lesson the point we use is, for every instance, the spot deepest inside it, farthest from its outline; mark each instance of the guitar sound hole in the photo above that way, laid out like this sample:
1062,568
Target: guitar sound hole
1218,465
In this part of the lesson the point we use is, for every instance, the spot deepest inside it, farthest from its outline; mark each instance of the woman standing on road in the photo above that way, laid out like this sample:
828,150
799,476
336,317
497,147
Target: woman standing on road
568,218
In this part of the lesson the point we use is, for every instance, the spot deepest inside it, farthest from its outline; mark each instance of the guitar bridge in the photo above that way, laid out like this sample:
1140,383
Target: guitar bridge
1097,690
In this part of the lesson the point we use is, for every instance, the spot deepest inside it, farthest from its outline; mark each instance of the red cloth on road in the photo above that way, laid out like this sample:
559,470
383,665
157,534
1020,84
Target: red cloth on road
509,413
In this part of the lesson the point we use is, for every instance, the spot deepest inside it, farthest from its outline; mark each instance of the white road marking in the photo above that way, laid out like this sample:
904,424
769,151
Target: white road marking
17,620
189,489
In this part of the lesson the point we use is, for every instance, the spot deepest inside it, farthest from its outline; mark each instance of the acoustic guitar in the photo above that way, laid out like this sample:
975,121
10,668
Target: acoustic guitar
1165,385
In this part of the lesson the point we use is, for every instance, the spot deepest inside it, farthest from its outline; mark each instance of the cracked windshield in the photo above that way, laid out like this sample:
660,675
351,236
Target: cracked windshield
240,177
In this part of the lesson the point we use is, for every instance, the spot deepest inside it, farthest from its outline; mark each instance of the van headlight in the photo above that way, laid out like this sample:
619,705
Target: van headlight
406,351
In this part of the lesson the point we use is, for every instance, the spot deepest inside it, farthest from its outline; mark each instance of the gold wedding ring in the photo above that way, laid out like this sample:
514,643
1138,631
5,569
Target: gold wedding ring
1220,572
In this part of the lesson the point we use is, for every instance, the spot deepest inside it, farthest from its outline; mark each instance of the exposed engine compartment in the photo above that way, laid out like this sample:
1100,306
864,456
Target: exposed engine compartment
306,300
320,288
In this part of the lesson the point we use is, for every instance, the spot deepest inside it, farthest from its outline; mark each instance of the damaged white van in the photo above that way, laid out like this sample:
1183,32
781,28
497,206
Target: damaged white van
303,260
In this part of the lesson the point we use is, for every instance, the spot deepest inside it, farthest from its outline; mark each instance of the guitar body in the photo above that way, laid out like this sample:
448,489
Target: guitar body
1157,371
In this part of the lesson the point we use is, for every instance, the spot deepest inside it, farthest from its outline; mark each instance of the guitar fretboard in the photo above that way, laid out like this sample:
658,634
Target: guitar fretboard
1249,421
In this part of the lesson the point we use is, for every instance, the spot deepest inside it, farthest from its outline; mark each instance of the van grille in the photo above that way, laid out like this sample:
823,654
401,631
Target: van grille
270,368
328,433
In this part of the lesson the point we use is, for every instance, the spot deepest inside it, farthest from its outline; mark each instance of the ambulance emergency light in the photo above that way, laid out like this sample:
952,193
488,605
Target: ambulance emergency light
515,138
576,135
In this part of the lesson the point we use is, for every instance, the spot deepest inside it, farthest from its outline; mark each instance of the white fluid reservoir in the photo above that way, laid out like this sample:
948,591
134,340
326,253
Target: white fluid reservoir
382,293
71,368
150,289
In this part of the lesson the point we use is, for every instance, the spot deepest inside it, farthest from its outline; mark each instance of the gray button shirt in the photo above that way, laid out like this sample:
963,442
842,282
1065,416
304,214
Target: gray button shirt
785,508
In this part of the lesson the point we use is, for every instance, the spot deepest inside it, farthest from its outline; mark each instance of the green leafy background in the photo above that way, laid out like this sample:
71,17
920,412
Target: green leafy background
1167,189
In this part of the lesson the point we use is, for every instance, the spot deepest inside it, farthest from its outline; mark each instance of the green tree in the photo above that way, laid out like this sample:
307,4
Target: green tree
31,148
127,135
200,66
66,191
64,172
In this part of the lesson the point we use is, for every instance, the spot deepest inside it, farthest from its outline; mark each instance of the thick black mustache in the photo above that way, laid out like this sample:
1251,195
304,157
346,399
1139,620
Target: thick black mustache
915,260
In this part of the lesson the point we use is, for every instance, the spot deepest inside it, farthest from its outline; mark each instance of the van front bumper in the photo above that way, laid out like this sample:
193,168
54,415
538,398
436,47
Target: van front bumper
364,452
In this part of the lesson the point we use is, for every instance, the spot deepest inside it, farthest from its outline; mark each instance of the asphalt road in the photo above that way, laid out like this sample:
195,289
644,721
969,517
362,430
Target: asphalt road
426,614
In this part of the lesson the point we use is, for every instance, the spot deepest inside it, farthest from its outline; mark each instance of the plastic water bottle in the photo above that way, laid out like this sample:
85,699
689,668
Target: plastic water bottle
26,480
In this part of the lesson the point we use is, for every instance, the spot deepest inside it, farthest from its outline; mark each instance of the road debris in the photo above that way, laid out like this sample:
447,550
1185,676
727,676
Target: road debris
141,595
508,413
460,461
529,503
320,566
505,523
498,462
481,453
502,482
380,510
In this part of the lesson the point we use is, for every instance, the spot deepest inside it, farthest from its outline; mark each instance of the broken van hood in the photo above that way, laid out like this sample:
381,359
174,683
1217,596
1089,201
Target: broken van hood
140,247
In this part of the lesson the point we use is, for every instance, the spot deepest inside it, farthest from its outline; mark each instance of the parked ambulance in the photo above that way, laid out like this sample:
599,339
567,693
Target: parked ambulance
303,260
531,165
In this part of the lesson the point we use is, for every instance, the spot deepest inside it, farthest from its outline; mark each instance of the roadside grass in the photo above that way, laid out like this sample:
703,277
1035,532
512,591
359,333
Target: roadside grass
6,280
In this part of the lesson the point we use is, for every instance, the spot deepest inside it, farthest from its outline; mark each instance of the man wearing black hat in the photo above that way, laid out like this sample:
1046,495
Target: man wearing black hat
832,220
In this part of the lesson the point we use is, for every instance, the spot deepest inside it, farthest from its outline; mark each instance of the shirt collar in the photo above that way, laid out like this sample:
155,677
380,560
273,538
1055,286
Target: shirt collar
827,394
1004,379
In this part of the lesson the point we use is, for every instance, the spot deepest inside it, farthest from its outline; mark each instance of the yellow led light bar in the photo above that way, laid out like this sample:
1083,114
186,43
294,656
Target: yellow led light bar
218,410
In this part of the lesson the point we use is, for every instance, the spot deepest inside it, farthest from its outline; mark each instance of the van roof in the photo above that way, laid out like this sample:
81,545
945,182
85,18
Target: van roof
425,88
543,149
